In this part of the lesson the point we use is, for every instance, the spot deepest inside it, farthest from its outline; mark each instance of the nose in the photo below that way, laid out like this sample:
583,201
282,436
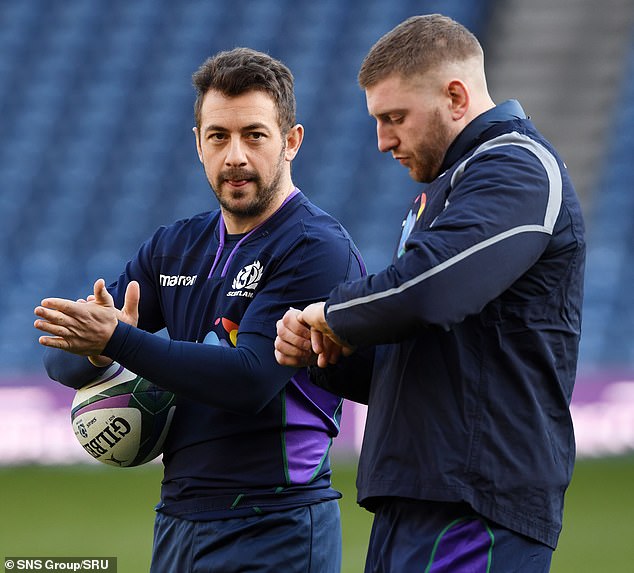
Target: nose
386,138
236,156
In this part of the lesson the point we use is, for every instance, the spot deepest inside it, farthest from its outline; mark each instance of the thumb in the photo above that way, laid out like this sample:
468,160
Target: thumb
101,294
130,308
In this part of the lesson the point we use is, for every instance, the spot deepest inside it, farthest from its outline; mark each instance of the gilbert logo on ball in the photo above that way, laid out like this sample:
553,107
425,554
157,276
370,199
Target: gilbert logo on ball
122,419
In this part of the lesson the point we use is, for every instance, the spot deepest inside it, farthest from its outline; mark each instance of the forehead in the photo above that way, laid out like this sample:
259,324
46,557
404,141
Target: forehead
395,93
236,111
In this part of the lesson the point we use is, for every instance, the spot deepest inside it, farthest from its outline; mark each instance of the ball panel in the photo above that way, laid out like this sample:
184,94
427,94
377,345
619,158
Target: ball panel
122,419
111,436
157,439
100,402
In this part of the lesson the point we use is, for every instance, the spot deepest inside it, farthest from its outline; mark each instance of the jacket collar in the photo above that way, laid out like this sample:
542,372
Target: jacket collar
470,135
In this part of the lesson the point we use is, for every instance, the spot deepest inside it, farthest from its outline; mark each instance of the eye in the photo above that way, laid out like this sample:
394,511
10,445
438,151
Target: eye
216,136
387,119
255,135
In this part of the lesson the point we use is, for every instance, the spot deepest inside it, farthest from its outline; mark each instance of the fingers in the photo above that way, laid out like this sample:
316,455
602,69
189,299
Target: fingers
53,342
292,345
291,350
284,359
61,304
331,350
51,320
313,316
292,332
130,310
78,327
317,341
100,361
304,337
101,294
347,351
328,350
51,328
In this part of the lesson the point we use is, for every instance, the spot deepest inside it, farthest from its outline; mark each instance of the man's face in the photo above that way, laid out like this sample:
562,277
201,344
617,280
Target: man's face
243,152
412,123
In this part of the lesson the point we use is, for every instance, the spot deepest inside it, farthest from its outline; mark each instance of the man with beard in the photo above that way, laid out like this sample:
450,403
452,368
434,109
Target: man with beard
247,476
467,343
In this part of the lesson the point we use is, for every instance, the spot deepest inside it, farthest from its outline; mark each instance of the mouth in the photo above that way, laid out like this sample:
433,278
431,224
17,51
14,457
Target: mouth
237,183
238,178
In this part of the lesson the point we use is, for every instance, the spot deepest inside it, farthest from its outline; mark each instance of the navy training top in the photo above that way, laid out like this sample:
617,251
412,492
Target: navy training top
248,435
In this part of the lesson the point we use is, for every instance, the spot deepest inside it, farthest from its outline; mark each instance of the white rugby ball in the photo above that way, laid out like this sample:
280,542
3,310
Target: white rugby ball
122,419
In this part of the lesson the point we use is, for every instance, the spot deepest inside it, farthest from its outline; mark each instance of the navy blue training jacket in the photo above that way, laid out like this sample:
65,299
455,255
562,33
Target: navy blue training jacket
476,325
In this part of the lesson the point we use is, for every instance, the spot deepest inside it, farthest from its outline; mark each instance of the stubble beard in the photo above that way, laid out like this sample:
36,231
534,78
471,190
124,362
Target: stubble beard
264,193
430,153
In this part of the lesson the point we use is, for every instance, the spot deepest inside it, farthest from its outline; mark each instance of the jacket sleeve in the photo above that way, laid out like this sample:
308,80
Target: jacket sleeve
242,379
350,378
70,369
497,221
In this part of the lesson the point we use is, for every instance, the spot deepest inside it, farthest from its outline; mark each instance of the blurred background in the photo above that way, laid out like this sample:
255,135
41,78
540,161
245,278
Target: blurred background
96,151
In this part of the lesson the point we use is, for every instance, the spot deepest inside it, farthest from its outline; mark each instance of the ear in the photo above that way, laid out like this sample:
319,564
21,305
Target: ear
198,148
294,139
459,98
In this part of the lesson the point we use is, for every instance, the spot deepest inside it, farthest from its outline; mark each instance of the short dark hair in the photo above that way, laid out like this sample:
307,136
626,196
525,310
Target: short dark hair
416,46
240,70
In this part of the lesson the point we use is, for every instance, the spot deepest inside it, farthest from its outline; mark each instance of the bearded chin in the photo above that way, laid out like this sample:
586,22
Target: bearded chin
431,153
264,195
263,198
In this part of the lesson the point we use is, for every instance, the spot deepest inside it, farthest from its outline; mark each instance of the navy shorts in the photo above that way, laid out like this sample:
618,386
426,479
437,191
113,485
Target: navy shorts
428,537
300,540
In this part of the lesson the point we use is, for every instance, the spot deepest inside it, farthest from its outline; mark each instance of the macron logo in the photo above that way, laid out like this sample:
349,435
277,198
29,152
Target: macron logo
177,280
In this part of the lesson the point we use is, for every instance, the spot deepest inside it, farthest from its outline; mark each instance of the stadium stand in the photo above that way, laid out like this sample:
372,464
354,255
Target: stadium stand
575,80
97,148
97,151
609,301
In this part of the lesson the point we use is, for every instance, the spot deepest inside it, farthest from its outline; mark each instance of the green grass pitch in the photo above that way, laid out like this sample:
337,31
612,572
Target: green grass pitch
101,511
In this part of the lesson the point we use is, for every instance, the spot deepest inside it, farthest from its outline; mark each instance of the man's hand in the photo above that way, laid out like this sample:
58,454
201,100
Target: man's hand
292,345
85,327
130,311
302,336
128,314
325,343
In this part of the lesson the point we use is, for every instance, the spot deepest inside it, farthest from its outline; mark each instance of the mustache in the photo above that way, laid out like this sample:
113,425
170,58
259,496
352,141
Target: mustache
237,174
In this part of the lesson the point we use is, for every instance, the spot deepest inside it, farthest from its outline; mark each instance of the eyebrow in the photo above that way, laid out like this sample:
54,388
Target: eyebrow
256,125
387,113
250,127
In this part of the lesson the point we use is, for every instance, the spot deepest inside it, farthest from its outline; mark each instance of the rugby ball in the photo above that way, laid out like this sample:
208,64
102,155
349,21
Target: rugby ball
122,419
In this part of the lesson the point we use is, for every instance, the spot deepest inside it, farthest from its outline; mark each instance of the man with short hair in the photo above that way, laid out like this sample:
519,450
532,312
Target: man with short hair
247,475
467,343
